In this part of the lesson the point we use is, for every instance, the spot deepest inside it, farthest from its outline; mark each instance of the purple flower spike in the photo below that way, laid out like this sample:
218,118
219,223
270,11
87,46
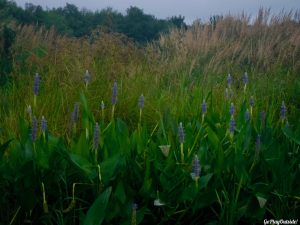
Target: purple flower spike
226,93
43,124
257,144
114,94
232,110
34,129
141,102
232,125
134,206
262,117
181,133
102,105
96,136
29,110
74,115
251,101
245,78
247,115
87,77
204,107
196,168
283,111
229,80
36,84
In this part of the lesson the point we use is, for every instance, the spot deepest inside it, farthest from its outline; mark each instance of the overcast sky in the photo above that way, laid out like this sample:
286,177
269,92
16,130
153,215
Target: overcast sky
190,9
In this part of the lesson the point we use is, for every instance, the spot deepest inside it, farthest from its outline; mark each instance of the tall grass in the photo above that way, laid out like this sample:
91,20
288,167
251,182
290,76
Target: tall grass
182,65
216,165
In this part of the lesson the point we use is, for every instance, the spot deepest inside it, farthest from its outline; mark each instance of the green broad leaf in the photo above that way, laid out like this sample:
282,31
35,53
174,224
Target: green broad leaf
3,148
87,115
82,163
213,138
290,135
110,166
203,180
120,192
24,131
96,212
81,147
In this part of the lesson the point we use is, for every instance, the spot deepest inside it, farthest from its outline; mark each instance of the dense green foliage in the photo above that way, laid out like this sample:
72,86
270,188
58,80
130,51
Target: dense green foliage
198,147
72,21
247,173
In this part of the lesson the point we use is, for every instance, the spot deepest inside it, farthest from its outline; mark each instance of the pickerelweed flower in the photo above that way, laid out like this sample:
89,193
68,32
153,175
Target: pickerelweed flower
204,107
231,110
181,133
232,125
245,78
251,101
226,93
43,124
231,93
141,102
134,206
196,168
181,140
262,117
247,115
257,145
283,111
74,115
229,80
114,94
102,105
29,111
34,129
96,136
87,77
133,214
36,84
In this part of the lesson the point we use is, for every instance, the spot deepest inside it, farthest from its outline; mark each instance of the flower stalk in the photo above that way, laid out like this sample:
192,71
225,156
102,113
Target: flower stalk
181,140
45,205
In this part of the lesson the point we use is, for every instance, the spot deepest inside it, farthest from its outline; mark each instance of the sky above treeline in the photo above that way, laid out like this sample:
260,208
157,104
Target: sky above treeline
190,9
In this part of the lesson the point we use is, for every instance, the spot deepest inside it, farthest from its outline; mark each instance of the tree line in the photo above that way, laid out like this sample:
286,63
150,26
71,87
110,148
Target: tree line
71,21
